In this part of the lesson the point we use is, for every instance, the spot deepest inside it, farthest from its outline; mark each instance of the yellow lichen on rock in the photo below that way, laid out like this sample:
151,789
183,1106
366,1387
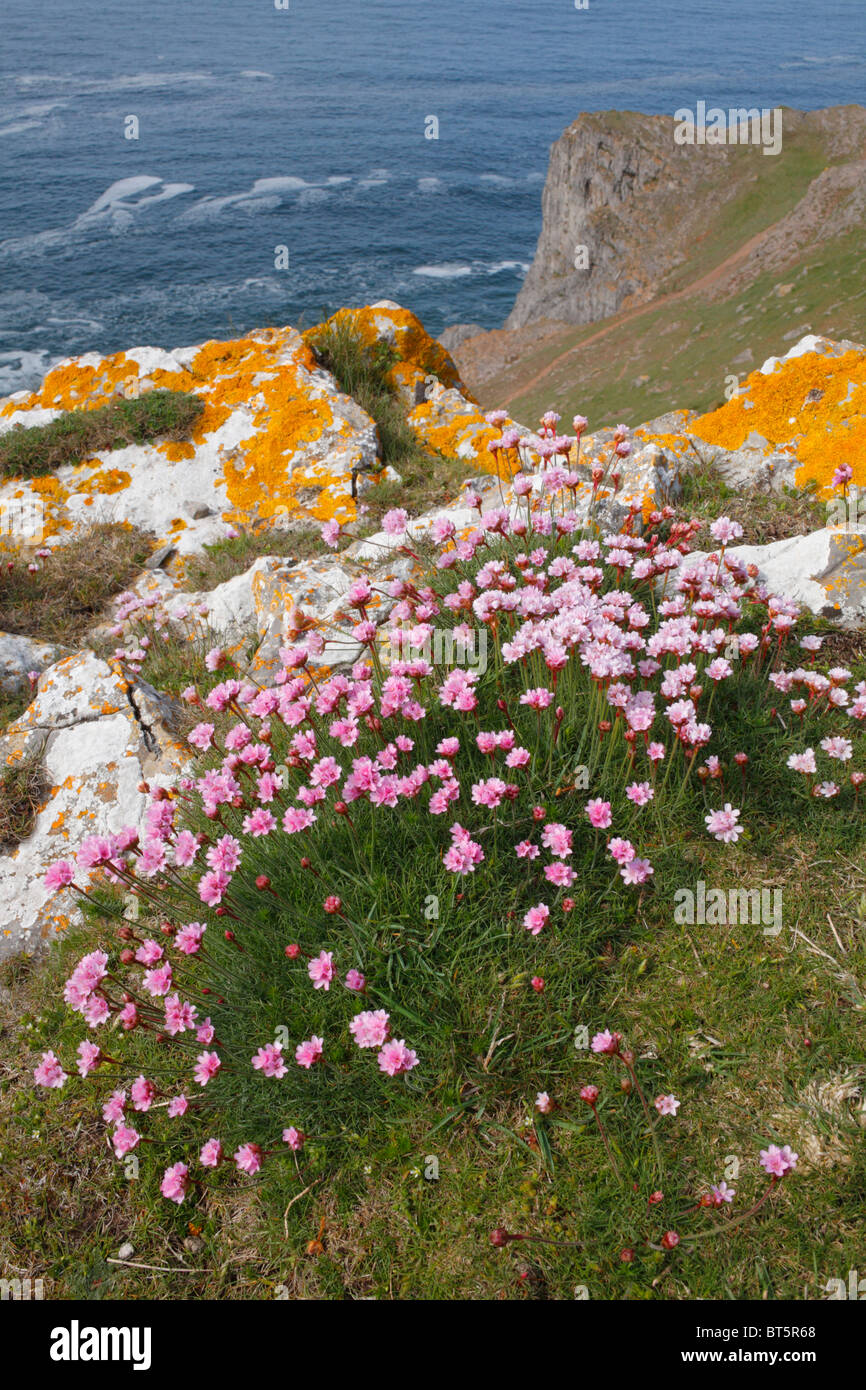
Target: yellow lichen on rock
812,406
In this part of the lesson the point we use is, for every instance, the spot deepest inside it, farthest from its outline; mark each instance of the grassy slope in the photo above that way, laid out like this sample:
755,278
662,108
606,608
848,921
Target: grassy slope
679,354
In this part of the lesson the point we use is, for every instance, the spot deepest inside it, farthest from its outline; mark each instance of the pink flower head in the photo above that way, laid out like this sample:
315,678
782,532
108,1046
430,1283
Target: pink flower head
778,1161
355,981
536,918
396,1057
206,1067
543,1103
295,1138
640,793
636,871
49,1072
143,1093
307,1053
269,1060
394,522
175,1182
599,814
58,875
720,1193
589,1094
606,1042
723,824
667,1105
124,1139
371,1028
88,1057
211,1154
321,970
249,1158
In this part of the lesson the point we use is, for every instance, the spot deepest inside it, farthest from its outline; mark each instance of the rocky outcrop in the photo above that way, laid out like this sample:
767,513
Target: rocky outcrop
97,735
277,441
624,205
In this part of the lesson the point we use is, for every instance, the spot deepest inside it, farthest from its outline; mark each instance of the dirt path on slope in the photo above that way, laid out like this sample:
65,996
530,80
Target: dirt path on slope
704,282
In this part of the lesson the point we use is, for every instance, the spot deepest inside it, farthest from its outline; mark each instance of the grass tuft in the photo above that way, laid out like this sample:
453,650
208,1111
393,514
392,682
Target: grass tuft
77,434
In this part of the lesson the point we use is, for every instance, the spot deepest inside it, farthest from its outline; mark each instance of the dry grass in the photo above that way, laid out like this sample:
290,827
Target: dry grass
69,592
22,790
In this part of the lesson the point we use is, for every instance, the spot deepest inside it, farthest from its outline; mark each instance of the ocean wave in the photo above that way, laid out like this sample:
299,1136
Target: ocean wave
95,86
450,270
454,270
431,185
114,211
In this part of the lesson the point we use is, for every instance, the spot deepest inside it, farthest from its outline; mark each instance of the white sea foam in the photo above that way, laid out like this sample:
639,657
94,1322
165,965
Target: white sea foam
449,270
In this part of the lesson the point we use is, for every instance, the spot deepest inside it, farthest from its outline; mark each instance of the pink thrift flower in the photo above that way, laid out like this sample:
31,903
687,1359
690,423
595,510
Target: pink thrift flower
269,1060
371,1028
50,1073
536,918
143,1093
667,1105
640,793
396,1057
113,1109
211,1154
175,1182
294,1138
58,875
636,871
543,1103
778,1161
355,981
88,1057
321,970
723,824
124,1139
206,1067
599,814
308,1052
248,1158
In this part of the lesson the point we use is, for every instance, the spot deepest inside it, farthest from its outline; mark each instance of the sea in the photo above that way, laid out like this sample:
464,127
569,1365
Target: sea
177,170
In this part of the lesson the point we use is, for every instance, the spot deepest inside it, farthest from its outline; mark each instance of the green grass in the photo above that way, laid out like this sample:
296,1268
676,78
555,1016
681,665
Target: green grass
764,516
361,371
228,558
78,434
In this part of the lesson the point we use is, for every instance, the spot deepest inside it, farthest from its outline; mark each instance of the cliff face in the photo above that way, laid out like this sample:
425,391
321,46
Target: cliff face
641,205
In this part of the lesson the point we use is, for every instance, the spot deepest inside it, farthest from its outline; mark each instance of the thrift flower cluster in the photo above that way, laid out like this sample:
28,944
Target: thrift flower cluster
608,649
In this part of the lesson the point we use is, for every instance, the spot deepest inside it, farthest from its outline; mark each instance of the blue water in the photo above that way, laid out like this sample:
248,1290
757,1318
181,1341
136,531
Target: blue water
305,128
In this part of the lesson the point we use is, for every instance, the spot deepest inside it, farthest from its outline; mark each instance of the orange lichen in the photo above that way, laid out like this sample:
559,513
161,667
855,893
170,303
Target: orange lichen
814,404
72,385
406,333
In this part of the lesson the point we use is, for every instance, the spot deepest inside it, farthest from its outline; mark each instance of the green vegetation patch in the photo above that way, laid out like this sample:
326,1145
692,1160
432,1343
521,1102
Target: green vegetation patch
77,434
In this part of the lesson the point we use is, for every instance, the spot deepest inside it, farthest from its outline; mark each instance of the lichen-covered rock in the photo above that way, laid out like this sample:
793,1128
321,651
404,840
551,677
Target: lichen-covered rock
97,735
824,570
276,440
19,656
794,420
